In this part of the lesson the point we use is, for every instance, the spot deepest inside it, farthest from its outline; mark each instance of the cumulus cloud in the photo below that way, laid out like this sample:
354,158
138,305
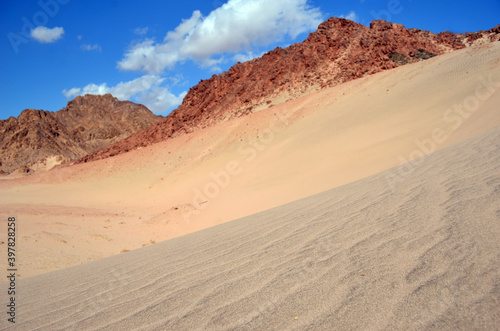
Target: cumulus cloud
89,47
158,99
238,25
146,90
45,35
351,16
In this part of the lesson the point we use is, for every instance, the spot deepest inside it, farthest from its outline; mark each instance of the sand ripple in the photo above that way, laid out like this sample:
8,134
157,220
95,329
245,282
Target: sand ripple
361,256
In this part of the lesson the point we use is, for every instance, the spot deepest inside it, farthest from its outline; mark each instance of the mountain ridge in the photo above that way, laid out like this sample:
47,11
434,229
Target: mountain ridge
340,50
39,139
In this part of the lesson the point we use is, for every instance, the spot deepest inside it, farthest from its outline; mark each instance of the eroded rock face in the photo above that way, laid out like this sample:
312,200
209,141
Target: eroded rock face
495,30
339,51
85,125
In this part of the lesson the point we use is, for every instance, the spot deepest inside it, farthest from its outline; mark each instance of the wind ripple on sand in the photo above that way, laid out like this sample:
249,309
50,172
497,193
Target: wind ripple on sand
361,256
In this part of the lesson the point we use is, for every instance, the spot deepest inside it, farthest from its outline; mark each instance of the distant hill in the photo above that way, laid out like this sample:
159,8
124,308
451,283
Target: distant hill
39,139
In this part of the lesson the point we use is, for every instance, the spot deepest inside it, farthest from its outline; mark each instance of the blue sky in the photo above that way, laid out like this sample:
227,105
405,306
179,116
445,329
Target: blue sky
153,51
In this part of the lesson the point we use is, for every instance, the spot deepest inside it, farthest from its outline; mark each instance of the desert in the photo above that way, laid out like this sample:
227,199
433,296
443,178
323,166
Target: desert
168,189
371,201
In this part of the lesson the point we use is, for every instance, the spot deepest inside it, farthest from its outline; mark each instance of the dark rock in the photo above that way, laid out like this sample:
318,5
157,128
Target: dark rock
399,58
423,54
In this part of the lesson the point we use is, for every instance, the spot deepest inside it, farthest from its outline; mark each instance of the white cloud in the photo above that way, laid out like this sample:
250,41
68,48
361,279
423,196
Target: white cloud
141,31
212,64
72,92
238,25
146,89
244,57
351,16
45,35
158,99
89,47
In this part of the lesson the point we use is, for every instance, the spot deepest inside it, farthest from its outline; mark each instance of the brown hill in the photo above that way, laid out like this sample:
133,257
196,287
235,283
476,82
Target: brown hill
39,139
339,51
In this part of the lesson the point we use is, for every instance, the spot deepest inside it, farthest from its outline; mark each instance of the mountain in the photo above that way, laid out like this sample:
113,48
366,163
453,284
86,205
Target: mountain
39,139
339,51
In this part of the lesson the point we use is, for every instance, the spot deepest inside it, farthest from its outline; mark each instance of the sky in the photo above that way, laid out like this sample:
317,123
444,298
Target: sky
153,51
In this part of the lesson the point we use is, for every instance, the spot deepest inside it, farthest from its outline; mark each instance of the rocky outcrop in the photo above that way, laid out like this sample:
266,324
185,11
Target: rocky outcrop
37,139
339,51
495,30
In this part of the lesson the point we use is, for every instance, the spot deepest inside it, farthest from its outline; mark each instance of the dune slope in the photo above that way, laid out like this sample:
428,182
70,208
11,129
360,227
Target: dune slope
360,256
243,166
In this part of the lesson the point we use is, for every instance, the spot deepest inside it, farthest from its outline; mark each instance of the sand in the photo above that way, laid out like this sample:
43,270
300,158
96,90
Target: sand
75,214
397,228
360,256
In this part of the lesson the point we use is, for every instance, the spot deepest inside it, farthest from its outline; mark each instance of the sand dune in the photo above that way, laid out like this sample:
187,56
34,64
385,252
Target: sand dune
243,166
360,256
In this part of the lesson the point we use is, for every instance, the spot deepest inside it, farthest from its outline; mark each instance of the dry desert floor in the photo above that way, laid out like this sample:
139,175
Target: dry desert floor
371,205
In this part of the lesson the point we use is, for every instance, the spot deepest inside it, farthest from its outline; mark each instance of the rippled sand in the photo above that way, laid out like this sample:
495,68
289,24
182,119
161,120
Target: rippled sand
71,215
424,256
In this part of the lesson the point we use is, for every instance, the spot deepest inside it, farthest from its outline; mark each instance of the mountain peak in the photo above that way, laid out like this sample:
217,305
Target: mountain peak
88,123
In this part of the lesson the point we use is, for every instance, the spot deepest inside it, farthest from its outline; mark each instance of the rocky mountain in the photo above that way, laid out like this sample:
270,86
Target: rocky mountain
339,51
38,139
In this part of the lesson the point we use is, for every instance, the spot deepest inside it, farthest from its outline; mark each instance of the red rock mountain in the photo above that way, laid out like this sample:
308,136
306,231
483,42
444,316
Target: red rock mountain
39,139
339,51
